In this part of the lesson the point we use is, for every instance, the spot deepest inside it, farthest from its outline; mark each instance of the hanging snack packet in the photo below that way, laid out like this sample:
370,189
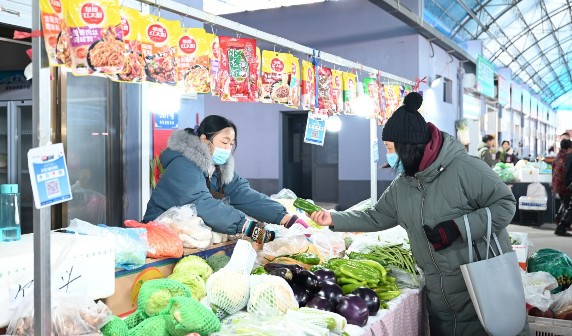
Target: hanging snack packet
238,74
350,93
392,99
258,89
134,67
158,45
96,36
308,86
193,55
214,63
324,90
337,99
372,88
276,69
294,97
55,33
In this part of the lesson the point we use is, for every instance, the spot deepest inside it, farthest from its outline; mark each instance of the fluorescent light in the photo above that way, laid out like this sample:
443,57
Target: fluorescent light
334,124
164,99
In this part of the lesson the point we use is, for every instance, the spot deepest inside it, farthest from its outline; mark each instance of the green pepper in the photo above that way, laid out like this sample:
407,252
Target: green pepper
375,265
317,267
390,279
335,263
259,270
362,274
388,296
307,258
367,256
306,206
368,269
384,305
352,287
345,280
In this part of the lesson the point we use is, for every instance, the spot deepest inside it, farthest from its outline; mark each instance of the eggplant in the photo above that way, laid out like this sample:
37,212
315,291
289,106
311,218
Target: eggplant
301,294
293,268
325,275
371,299
331,292
284,273
354,309
307,280
320,303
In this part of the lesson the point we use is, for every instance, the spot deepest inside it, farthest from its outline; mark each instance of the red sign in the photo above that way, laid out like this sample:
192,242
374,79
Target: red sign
157,33
277,65
125,26
56,5
92,13
187,44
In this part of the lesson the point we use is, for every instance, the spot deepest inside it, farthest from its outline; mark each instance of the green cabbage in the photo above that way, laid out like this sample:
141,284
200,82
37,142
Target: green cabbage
193,281
157,302
193,264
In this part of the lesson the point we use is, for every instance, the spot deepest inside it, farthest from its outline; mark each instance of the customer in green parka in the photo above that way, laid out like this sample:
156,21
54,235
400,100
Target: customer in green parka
438,184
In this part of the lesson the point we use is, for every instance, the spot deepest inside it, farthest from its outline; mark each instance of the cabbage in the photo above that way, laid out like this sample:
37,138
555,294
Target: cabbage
157,302
193,281
195,265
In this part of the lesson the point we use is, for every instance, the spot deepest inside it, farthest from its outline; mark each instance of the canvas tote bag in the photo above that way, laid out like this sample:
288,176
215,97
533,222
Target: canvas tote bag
495,287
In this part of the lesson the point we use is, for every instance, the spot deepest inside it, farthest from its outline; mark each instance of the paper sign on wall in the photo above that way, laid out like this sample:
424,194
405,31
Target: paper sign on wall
49,175
315,129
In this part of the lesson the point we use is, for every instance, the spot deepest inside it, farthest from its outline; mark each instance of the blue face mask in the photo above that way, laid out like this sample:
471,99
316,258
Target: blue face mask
392,160
220,156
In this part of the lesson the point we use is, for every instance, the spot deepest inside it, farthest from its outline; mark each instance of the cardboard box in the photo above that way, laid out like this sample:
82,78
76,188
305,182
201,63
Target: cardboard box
521,248
128,282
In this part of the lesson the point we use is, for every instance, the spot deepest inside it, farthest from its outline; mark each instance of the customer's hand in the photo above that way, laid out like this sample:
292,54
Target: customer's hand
442,235
323,218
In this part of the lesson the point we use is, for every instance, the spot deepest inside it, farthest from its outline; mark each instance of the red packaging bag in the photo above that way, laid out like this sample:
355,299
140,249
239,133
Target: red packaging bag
325,100
238,73
162,239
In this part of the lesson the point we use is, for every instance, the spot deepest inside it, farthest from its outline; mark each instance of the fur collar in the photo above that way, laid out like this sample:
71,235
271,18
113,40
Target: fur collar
198,152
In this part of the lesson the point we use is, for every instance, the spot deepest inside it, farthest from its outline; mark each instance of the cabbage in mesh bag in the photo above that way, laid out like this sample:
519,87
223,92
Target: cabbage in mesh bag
227,291
188,315
156,294
115,327
156,326
270,295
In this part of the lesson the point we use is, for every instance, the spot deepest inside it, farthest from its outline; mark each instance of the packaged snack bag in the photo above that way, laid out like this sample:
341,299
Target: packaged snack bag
294,97
350,94
276,69
308,86
392,99
324,90
134,67
193,60
372,87
337,105
55,32
214,63
238,74
96,36
159,46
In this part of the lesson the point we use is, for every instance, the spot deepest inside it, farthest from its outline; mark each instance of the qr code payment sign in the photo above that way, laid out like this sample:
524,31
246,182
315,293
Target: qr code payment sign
53,188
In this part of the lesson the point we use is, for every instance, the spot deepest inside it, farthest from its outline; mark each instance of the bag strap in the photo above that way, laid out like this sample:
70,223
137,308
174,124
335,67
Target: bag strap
469,238
489,230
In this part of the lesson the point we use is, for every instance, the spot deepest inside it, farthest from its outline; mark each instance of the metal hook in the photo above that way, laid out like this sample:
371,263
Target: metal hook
158,9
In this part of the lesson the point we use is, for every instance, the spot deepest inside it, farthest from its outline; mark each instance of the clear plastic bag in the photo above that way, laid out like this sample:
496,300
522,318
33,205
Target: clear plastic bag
131,247
253,325
330,244
162,239
190,228
537,287
404,279
562,305
284,194
270,296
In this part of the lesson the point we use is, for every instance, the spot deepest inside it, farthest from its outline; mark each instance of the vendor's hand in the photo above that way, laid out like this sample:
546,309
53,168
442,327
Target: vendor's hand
442,235
323,218
294,220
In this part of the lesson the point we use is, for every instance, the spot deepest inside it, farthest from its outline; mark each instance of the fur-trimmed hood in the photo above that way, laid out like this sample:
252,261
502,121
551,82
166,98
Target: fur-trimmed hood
191,147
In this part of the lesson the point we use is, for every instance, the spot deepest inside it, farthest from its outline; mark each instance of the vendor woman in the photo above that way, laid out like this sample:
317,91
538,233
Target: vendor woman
199,170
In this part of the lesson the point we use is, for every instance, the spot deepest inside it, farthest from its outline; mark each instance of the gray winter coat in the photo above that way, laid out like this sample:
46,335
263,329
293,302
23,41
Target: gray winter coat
187,163
454,185
485,154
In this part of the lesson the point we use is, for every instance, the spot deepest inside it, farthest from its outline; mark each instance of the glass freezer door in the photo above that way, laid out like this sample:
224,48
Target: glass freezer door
4,142
24,138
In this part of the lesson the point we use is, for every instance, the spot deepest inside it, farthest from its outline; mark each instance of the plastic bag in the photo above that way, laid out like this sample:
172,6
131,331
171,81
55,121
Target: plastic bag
536,190
330,244
404,279
246,324
558,264
562,305
270,296
188,225
284,194
227,291
537,287
131,246
162,239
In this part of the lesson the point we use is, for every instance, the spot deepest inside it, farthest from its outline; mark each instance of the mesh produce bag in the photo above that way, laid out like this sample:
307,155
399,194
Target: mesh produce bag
554,262
252,325
162,239
134,319
194,283
115,327
187,315
320,318
153,326
156,294
227,291
270,295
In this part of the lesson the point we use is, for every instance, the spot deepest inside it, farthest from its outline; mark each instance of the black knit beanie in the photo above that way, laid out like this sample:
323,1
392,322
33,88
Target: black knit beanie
407,125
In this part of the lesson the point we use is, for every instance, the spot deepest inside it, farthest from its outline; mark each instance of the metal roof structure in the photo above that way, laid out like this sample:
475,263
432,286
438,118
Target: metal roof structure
531,37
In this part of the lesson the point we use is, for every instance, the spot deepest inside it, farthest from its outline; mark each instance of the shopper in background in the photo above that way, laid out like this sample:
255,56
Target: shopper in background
438,184
560,186
484,150
506,154
199,170
565,136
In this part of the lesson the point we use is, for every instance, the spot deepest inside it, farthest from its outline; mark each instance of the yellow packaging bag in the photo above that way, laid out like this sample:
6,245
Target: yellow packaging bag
276,69
193,60
294,97
308,88
55,32
392,99
337,104
134,67
350,93
96,36
159,40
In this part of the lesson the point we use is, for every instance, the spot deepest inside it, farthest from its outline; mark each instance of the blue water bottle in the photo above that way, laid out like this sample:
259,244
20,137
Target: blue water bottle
9,213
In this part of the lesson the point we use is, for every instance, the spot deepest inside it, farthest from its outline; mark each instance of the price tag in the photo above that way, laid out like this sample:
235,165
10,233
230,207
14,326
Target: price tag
315,129
49,175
